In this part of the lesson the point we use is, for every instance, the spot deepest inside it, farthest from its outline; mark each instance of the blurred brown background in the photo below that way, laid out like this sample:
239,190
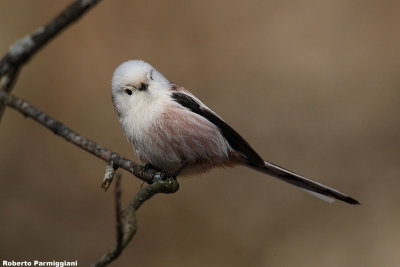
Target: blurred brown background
313,85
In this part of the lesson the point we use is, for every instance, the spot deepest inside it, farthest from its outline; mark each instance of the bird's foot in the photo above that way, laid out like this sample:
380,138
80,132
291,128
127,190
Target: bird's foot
164,175
160,174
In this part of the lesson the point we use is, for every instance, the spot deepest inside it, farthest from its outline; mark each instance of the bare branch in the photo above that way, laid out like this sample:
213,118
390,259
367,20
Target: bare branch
21,51
24,49
146,174
118,222
129,216
7,83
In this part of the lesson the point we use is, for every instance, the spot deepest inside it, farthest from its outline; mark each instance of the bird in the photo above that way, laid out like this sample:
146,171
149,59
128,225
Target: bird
171,130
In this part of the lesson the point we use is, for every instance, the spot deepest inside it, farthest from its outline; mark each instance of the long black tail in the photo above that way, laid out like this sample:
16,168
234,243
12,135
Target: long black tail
316,189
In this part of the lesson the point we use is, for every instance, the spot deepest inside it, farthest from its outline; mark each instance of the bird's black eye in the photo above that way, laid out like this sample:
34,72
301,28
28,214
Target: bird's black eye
143,87
128,91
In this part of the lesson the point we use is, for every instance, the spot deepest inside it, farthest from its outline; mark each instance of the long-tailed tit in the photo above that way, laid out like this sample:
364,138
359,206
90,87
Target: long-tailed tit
171,129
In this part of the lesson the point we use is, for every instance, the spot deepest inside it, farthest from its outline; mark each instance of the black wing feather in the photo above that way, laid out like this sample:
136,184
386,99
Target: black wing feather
234,139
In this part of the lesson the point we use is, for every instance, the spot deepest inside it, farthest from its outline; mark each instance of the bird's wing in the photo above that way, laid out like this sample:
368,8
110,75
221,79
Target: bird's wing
190,102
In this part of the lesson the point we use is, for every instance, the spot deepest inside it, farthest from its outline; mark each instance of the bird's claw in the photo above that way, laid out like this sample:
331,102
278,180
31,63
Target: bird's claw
163,175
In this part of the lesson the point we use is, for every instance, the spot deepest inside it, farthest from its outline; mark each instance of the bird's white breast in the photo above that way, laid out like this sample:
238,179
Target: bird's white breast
139,116
167,135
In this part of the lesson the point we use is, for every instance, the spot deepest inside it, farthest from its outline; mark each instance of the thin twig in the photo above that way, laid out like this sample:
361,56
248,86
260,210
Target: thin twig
118,222
129,217
7,83
145,174
25,48
8,80
22,50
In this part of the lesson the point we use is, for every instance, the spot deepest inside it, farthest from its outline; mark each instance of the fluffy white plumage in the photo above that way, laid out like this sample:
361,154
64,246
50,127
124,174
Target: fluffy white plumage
162,132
